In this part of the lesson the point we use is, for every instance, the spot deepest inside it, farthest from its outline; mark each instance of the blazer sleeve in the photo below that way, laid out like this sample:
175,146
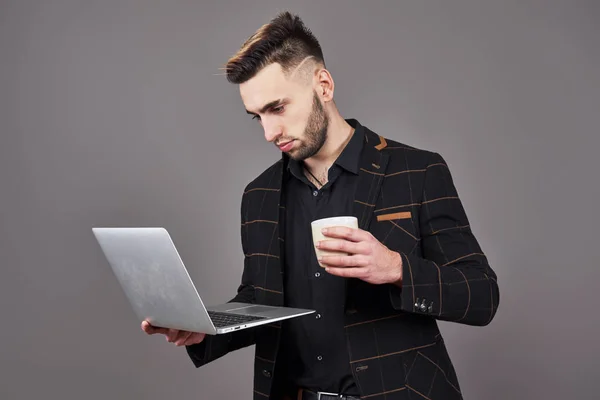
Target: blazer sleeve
216,346
453,280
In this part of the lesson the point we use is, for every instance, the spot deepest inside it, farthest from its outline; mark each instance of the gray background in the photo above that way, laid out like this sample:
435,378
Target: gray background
114,113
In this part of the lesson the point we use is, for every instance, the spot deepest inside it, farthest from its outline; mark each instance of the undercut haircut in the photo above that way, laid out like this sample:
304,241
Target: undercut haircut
284,40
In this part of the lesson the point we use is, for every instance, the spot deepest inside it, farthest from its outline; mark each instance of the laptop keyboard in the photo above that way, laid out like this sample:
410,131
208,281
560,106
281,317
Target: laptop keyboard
221,319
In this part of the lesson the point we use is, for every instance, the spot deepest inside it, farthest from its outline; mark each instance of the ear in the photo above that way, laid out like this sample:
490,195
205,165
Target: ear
325,85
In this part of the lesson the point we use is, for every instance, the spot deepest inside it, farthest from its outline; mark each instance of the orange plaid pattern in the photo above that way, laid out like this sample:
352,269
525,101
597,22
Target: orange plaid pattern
406,198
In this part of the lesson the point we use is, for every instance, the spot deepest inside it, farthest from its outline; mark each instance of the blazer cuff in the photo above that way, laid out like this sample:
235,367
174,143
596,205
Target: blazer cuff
197,353
419,292
211,348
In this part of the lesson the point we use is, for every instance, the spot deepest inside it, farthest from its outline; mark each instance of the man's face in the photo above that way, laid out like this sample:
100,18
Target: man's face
289,110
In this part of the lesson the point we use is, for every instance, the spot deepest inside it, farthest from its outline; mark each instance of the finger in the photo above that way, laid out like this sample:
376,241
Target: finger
179,335
195,339
182,337
344,232
359,273
172,335
344,261
152,330
146,327
343,245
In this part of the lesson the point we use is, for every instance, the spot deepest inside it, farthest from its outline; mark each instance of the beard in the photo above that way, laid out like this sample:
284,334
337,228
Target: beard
315,133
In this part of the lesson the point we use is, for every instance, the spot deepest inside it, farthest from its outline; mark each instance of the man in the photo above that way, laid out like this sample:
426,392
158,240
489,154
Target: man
413,260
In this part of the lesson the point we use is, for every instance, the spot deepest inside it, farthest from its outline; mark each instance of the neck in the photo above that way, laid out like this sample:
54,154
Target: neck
339,133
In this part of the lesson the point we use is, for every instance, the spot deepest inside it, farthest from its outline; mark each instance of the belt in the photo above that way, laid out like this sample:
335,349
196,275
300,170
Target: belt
305,394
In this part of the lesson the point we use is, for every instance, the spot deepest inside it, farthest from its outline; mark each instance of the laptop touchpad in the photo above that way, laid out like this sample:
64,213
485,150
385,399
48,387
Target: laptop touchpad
252,310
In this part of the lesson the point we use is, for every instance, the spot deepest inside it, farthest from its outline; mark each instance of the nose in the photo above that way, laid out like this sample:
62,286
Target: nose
272,131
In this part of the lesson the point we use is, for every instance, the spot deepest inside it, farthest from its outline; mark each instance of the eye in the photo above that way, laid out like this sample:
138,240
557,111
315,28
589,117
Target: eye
256,117
278,109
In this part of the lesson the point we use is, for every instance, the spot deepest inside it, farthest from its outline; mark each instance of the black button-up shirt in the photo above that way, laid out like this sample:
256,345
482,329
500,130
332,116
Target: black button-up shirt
314,347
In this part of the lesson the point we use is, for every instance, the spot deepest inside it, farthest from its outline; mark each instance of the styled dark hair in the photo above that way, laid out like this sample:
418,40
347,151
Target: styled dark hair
284,40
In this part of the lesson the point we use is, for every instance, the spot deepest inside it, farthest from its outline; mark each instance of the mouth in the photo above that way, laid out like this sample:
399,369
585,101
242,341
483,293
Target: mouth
286,146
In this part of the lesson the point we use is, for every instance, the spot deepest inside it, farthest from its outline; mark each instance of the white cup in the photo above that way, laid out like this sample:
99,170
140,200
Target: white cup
317,225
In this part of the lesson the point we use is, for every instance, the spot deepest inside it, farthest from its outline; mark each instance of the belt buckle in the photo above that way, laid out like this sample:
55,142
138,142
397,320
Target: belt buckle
319,394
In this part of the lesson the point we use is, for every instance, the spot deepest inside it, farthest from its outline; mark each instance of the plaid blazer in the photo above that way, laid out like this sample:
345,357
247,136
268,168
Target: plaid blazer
407,199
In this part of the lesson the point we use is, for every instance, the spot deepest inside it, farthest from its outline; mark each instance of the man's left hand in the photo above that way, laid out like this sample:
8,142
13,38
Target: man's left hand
369,259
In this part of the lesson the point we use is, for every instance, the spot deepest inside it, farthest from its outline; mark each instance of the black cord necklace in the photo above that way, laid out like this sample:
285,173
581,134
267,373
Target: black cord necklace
314,177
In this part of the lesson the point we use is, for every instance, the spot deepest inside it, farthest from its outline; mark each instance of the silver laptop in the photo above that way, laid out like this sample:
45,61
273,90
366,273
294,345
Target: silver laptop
160,290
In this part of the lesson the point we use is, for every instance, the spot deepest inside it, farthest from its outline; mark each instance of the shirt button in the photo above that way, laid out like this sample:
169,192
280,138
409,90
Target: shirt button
316,193
318,316
319,358
317,274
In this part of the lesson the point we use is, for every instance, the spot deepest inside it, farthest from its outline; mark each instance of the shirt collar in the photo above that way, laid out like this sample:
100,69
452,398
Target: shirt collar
349,158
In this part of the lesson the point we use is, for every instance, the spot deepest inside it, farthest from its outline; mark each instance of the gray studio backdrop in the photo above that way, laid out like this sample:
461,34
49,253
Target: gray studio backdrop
115,113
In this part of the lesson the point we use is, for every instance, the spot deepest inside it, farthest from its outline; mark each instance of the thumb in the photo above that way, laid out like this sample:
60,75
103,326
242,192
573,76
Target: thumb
151,330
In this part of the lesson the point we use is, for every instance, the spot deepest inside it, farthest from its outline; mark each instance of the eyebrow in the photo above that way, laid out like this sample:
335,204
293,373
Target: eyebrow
269,105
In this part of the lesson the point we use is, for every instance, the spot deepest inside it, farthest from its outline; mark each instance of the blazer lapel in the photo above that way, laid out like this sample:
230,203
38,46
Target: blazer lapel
280,230
269,207
373,164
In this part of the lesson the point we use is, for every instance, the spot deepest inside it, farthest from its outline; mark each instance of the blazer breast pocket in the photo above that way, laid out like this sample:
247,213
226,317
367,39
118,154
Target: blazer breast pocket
397,231
393,216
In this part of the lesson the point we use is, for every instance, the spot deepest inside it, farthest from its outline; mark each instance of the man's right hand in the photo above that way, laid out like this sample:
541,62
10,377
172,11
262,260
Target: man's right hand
180,338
